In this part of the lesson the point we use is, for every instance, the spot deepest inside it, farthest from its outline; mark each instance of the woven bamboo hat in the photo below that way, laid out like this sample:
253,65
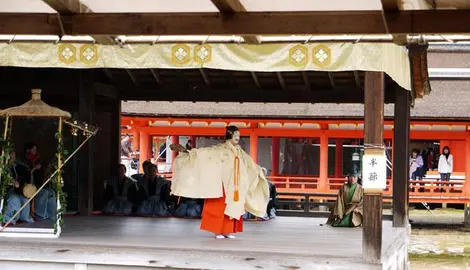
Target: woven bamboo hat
35,107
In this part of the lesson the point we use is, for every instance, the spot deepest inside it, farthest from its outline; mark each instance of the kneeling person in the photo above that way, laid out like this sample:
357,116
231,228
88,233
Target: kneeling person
156,195
119,204
347,211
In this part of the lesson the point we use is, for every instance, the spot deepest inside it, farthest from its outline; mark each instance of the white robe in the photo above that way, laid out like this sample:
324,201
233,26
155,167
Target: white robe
202,172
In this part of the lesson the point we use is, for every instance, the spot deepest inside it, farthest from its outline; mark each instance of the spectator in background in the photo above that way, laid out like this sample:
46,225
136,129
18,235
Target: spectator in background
126,146
430,159
446,165
416,166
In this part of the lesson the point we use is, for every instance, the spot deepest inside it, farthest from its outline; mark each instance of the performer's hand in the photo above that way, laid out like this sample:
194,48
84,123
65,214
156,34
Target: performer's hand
16,184
264,170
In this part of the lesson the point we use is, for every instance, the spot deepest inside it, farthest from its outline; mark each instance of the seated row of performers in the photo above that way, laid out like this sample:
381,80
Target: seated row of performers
25,170
148,194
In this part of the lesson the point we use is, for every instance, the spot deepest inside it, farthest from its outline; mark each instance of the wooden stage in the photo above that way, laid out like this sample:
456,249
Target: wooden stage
100,242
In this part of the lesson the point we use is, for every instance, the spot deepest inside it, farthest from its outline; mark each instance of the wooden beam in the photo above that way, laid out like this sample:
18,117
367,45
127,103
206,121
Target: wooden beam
373,135
242,94
205,77
74,7
401,134
255,79
281,80
108,74
132,76
306,80
331,79
231,79
156,75
86,113
357,79
243,23
393,7
230,7
68,6
106,90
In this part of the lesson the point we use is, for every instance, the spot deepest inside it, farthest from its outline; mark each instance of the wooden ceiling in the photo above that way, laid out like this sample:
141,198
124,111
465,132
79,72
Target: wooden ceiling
239,86
61,85
236,17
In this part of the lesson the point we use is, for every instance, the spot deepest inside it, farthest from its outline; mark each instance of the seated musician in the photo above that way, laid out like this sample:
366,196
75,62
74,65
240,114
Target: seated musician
154,203
45,202
189,207
139,176
271,208
347,211
119,204
15,198
272,205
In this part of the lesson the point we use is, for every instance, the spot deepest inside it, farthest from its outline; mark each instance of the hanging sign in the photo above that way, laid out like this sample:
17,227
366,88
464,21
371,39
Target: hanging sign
374,169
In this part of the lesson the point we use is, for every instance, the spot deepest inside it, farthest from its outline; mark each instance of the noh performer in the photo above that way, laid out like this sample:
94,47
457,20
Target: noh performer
229,180
347,211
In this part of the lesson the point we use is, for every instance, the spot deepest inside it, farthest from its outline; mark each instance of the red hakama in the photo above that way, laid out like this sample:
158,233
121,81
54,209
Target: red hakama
215,221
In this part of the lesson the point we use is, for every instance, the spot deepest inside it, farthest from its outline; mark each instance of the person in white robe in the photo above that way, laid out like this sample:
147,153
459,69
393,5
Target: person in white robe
227,177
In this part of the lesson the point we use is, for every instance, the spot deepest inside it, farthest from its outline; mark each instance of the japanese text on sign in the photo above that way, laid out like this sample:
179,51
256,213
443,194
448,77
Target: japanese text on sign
374,169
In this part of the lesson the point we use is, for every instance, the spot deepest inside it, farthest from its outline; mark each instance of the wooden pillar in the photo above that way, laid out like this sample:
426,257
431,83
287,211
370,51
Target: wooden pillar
339,158
275,151
144,147
254,147
174,140
401,139
115,154
135,138
323,181
373,135
86,111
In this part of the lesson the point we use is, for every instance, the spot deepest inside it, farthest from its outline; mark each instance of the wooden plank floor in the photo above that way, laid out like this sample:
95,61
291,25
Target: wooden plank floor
283,235
138,243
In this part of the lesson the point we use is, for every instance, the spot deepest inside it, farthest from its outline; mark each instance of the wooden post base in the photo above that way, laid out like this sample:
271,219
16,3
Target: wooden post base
372,222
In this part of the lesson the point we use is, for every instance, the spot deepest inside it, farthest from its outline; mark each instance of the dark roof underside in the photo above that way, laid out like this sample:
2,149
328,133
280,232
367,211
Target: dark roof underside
448,100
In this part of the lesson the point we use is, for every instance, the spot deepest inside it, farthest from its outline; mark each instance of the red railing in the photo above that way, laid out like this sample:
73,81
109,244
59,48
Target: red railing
431,191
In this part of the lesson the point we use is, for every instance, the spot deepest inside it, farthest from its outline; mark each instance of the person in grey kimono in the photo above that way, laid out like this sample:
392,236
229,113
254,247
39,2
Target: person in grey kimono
45,202
119,186
139,176
189,208
271,208
154,203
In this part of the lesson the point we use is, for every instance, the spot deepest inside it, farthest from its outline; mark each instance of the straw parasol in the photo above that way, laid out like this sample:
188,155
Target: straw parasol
35,107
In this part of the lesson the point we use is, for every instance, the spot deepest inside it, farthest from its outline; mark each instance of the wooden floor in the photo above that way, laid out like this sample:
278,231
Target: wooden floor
278,238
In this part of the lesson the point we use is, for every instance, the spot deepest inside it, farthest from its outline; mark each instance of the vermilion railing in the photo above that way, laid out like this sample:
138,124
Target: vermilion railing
431,191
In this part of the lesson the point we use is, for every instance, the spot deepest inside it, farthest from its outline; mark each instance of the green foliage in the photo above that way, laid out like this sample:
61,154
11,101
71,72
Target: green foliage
5,176
58,183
